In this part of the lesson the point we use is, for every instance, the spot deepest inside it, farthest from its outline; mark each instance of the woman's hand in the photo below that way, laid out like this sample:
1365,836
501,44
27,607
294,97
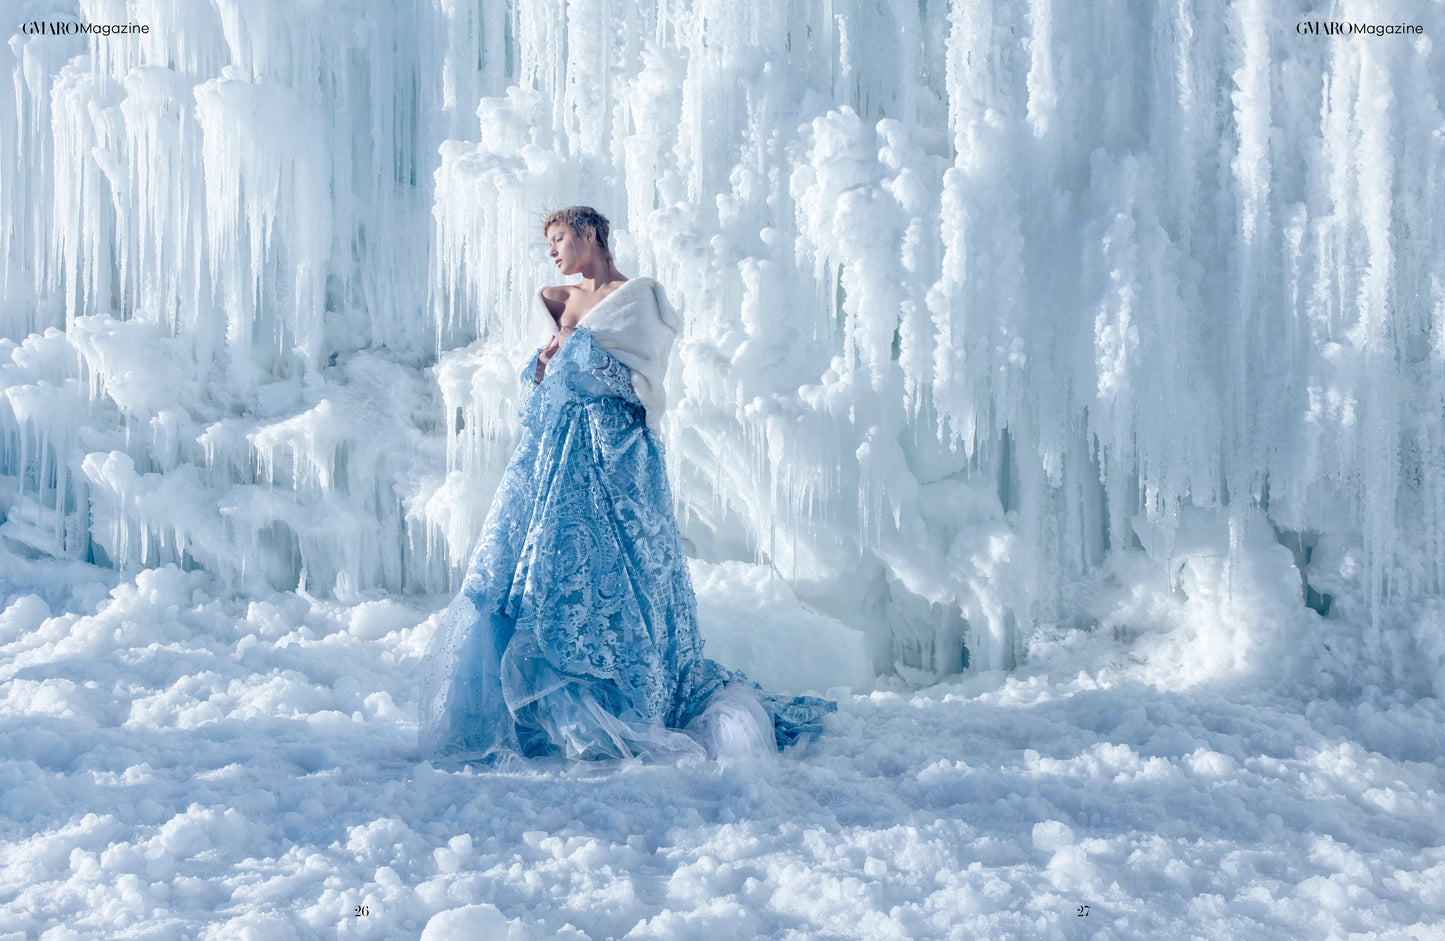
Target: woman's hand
547,353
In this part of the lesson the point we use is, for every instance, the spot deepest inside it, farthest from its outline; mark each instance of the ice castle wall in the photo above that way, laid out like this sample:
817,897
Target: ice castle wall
984,300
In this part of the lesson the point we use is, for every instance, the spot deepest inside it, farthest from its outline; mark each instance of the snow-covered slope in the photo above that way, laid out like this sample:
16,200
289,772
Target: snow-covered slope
178,762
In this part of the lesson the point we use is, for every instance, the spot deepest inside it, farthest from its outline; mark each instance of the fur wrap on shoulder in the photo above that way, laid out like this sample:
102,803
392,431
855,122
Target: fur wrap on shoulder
637,325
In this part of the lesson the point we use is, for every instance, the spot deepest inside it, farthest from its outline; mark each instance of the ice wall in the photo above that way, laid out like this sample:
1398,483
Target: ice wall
994,310
215,246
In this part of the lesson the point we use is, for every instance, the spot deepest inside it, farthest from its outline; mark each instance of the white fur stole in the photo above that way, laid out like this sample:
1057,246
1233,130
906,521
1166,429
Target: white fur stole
636,324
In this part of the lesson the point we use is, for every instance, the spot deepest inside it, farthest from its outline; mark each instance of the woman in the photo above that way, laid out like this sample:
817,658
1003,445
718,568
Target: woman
575,632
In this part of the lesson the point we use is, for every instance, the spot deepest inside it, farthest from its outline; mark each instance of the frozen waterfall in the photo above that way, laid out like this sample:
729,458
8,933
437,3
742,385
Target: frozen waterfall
1005,320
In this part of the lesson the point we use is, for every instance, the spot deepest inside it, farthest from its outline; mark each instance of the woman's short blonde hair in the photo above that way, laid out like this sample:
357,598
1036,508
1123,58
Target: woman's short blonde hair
582,220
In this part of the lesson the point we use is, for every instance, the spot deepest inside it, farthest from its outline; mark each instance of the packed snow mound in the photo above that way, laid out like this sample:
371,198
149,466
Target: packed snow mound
178,762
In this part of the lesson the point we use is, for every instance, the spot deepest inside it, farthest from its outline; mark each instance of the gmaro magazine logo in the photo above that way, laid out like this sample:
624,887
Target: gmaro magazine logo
1337,28
81,28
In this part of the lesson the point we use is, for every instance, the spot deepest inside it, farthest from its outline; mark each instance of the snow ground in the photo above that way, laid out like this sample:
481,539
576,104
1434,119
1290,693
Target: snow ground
174,764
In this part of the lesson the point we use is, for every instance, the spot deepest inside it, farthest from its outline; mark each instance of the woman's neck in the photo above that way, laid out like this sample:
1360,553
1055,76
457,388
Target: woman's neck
599,274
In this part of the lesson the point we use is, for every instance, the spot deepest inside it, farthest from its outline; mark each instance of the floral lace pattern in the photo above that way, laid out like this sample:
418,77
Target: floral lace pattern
575,631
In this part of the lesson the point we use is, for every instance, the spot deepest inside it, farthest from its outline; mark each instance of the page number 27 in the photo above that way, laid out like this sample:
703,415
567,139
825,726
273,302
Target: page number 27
1082,911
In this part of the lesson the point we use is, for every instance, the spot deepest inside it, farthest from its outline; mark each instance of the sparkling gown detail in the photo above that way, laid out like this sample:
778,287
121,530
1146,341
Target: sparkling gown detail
575,631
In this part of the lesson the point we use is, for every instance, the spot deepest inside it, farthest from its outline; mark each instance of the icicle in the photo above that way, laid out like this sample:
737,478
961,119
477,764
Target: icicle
965,319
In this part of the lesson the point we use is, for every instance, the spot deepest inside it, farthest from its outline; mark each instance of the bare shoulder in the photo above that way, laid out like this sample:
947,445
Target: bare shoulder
555,297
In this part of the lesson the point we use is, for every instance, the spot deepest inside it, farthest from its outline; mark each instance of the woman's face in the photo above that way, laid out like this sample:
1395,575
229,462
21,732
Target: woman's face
567,250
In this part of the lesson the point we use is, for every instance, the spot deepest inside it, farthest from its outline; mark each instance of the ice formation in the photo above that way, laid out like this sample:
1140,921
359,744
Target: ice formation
996,312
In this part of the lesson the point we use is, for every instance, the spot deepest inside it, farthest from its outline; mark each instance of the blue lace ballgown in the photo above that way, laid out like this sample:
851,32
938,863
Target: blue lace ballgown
575,631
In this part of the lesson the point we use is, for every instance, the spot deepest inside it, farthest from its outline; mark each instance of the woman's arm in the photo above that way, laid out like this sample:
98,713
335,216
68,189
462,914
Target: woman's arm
554,299
546,354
